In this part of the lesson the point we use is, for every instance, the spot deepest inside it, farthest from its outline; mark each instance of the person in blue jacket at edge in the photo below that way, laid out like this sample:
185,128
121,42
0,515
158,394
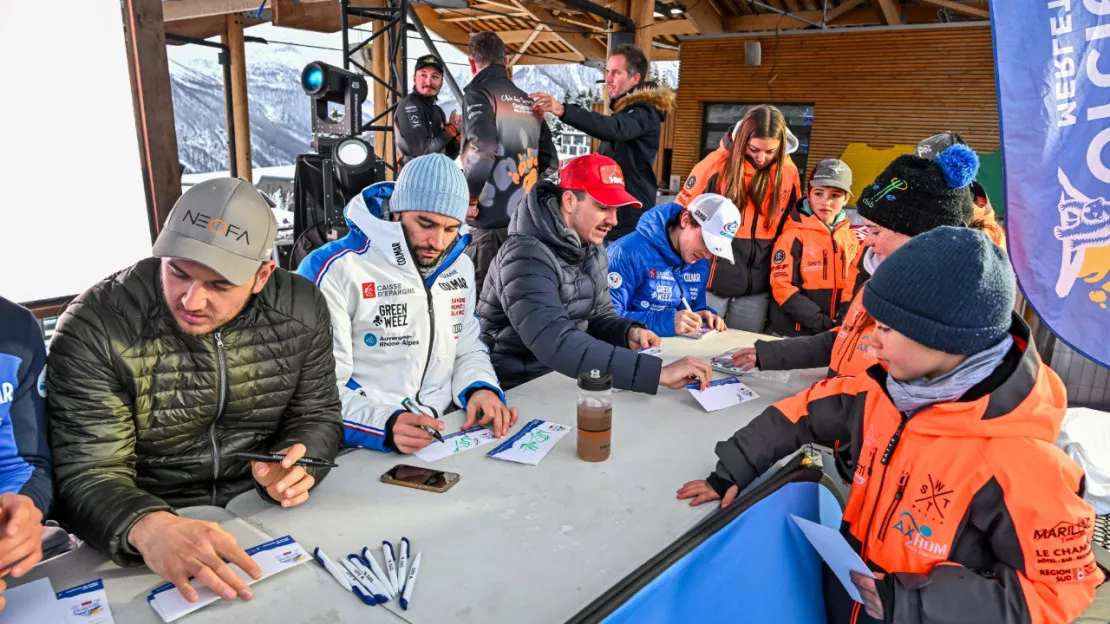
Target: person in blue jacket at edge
657,274
26,482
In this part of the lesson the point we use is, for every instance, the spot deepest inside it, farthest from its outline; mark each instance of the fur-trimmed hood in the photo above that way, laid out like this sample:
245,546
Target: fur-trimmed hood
659,98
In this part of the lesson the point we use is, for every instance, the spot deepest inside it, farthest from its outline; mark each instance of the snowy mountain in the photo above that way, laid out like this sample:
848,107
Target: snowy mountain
279,109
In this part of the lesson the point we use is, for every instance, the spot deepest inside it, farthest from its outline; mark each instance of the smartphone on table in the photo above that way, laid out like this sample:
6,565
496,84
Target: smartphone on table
421,478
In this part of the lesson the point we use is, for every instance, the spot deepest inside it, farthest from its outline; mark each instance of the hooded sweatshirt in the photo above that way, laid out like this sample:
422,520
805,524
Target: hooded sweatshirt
967,506
546,305
751,249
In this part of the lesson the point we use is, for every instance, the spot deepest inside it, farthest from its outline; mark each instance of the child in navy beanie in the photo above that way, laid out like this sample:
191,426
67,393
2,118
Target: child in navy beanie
960,306
958,496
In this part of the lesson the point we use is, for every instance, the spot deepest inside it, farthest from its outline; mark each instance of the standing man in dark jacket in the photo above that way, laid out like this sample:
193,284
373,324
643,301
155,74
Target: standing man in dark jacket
161,373
630,135
419,125
26,485
548,306
506,149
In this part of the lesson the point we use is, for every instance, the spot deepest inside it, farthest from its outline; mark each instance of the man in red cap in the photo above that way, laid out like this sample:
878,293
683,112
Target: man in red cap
546,304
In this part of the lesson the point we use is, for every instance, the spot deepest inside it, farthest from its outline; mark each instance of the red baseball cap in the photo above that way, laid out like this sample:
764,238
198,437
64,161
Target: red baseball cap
598,176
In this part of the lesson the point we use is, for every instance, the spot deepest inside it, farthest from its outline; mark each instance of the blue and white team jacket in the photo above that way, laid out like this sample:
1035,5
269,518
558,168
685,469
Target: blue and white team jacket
396,335
647,279
25,466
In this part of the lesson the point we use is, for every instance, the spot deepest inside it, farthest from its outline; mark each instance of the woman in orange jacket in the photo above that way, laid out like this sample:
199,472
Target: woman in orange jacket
752,167
913,195
811,259
960,503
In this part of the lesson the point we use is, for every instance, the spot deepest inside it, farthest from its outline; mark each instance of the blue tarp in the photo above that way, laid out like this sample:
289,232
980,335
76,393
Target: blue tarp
758,568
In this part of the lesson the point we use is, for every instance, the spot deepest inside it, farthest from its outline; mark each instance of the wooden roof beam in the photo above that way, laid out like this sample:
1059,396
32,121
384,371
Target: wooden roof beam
705,18
451,33
673,27
174,10
587,48
967,10
888,11
844,7
856,16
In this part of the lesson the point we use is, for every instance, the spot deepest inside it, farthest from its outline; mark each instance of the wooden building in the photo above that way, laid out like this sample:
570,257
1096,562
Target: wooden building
863,95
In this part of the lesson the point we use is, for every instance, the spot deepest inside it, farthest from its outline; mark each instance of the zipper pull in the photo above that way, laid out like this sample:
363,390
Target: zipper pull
219,341
902,481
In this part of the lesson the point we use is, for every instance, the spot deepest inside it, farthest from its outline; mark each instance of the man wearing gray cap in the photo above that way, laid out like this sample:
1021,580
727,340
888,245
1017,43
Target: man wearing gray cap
160,374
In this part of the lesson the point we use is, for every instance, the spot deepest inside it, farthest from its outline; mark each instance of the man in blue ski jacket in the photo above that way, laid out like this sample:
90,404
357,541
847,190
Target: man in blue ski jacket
657,274
26,482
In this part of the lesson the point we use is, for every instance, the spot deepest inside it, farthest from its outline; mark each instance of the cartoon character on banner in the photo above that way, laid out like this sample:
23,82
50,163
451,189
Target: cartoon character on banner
1084,231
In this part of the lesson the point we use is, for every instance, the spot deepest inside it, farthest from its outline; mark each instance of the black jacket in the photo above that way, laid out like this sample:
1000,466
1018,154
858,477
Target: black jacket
629,136
144,417
506,148
420,128
546,305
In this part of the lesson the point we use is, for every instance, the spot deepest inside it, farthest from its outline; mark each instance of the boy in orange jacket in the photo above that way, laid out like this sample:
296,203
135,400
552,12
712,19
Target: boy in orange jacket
810,264
960,502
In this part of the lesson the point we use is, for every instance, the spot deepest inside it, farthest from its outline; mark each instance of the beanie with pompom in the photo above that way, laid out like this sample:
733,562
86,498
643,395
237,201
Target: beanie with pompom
914,195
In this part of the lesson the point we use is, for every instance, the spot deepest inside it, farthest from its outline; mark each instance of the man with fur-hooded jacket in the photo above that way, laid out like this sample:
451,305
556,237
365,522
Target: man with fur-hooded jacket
630,135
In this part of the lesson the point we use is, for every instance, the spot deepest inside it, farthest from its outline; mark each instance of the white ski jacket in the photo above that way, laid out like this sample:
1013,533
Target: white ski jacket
397,335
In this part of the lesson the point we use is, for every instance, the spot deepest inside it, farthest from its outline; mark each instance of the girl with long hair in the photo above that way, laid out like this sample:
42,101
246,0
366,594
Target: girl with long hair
752,167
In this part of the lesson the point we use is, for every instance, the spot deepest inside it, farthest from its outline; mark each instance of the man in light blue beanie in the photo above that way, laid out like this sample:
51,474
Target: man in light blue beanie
401,294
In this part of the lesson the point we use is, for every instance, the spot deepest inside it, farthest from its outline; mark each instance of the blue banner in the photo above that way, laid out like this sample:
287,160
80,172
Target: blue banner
1054,108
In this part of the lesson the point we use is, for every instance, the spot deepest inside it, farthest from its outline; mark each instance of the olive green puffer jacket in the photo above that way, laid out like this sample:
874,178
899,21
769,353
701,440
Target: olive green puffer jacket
144,417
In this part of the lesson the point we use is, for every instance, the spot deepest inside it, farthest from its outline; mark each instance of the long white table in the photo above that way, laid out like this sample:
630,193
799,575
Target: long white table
516,543
303,594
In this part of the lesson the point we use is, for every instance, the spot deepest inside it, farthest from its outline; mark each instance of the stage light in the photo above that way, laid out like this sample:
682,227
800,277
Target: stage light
354,166
677,10
352,152
312,79
329,84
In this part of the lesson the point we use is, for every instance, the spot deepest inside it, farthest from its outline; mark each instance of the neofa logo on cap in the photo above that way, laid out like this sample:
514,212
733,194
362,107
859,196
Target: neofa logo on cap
217,226
611,174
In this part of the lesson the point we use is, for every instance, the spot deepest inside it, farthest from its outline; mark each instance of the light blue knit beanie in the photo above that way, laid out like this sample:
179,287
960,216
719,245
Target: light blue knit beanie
431,183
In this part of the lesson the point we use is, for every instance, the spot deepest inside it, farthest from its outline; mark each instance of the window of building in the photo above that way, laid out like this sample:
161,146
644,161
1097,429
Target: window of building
720,117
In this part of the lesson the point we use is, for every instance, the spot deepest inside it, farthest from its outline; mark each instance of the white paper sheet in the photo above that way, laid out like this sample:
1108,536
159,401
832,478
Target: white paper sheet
456,443
32,602
86,604
651,351
722,393
272,557
531,443
836,552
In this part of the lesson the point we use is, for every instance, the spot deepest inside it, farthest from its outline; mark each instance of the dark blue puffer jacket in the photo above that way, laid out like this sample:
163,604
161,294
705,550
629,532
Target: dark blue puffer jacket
545,305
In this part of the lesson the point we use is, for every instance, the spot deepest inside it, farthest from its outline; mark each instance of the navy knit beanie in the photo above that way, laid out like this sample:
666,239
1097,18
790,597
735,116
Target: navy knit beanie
915,194
950,289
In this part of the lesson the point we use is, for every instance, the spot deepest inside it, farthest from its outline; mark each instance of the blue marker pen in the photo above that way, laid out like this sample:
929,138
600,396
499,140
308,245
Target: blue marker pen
379,573
390,564
406,597
340,575
363,574
403,564
360,583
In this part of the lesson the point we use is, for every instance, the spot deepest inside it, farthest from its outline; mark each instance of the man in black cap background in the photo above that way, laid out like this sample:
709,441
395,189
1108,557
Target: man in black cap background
420,126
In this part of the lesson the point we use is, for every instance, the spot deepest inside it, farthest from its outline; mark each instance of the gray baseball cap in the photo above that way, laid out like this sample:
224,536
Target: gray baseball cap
224,224
834,173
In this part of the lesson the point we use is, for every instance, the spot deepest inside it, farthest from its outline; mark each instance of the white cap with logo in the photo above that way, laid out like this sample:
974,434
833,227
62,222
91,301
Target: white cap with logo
719,220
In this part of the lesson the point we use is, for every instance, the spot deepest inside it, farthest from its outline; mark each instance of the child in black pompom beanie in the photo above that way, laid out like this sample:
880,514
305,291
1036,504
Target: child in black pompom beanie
914,195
